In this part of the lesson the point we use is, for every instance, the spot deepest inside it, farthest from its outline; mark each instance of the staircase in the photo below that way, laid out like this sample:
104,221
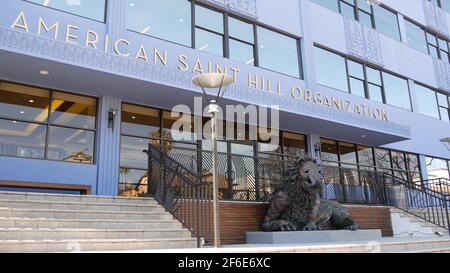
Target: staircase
35,222
405,224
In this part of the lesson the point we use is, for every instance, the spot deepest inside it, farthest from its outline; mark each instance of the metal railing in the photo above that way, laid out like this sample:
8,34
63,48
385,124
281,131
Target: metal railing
180,179
441,185
422,202
187,195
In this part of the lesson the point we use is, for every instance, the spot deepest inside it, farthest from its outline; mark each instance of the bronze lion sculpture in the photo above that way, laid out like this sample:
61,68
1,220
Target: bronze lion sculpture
296,205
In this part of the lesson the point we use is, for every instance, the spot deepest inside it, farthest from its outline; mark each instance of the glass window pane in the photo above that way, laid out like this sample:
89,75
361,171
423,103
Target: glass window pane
413,163
386,22
444,56
365,19
444,114
22,139
131,155
443,101
396,91
364,5
347,10
132,183
140,121
348,153
383,158
365,156
23,103
294,144
93,9
433,51
73,111
375,93
330,69
357,87
278,52
426,101
71,145
168,20
398,161
329,4
356,70
208,19
416,37
241,30
208,42
431,39
241,52
182,131
329,150
437,168
373,76
443,45
445,4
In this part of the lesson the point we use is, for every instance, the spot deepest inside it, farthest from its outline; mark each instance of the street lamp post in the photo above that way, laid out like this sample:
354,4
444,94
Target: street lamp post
206,82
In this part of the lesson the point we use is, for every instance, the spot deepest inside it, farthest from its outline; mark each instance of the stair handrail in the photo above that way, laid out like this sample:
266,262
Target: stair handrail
438,207
191,208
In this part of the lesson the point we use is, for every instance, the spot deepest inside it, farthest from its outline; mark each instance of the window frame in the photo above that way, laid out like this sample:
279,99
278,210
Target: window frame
48,124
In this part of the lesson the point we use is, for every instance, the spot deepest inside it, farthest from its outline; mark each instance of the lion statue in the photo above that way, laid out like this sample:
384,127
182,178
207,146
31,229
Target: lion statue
296,205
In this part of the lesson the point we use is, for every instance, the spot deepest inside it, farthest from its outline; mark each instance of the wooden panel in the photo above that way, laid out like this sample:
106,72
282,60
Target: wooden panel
84,189
237,218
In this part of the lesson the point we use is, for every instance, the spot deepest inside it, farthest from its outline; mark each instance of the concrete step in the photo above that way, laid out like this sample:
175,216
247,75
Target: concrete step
64,205
33,246
74,198
80,214
78,234
88,224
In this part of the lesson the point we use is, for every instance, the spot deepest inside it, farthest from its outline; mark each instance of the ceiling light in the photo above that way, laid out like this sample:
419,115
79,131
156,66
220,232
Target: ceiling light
14,121
133,117
203,47
131,4
181,20
145,30
44,72
22,112
31,101
363,136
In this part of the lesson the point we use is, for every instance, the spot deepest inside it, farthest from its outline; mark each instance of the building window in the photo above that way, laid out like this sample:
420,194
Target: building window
92,9
426,101
294,144
396,91
358,10
44,124
356,78
444,106
437,47
278,52
416,36
241,41
209,30
335,71
168,20
330,69
140,125
386,22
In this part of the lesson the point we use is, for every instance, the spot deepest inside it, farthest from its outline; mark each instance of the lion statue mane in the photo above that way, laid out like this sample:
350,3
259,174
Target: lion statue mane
296,205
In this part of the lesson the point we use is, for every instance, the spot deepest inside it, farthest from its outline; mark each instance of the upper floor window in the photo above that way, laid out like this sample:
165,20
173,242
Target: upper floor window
415,36
278,52
378,17
386,22
241,41
168,20
92,9
438,47
337,72
209,30
432,103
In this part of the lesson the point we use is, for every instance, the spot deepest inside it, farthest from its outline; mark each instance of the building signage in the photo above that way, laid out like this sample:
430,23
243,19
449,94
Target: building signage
71,34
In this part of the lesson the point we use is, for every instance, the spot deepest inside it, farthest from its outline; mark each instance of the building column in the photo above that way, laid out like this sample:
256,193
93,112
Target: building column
423,166
108,146
313,141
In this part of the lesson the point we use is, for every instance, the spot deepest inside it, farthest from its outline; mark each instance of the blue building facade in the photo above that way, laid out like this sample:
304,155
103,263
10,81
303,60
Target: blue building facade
85,84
